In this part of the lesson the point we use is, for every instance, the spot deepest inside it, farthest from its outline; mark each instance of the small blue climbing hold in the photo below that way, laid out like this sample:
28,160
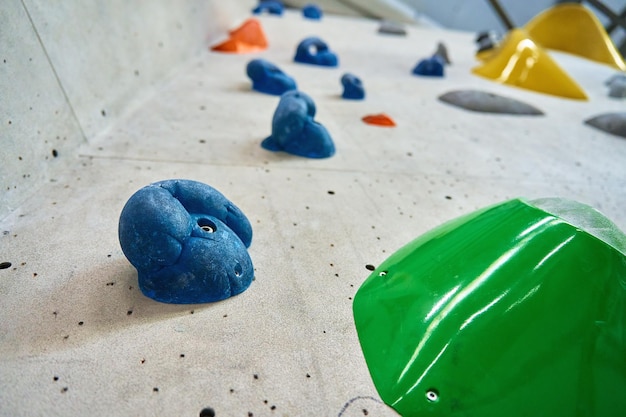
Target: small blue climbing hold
315,51
271,7
268,78
312,11
430,67
187,241
294,131
352,87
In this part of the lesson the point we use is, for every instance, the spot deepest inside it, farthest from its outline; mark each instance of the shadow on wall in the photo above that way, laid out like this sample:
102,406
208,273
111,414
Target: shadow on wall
84,309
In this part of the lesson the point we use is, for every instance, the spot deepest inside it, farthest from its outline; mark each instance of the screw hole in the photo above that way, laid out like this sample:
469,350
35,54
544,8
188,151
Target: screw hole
382,273
207,412
432,395
5,265
238,269
207,225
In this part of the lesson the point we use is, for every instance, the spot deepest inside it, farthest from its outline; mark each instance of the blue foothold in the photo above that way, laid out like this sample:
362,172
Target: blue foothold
187,241
268,78
294,131
312,11
315,51
430,67
352,87
271,7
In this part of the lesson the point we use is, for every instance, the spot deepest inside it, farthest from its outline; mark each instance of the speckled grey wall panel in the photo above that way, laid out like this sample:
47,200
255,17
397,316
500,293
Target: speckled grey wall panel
37,127
70,69
105,53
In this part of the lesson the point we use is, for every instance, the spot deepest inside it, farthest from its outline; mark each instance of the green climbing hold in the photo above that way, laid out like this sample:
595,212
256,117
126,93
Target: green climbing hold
518,309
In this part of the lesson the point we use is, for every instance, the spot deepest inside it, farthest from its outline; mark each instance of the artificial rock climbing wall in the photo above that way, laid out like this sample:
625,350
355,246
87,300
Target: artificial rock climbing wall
69,70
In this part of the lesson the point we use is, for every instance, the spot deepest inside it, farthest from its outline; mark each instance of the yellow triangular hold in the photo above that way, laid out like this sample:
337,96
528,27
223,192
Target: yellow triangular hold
573,28
520,62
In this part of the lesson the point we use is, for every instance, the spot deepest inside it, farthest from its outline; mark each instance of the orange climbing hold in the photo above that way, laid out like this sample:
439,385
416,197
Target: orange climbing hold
380,119
249,37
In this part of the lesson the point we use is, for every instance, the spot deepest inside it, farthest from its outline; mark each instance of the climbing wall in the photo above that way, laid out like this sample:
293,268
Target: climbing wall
77,337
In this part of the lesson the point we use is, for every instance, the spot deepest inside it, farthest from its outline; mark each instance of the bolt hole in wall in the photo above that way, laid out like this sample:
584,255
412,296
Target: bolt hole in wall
207,412
207,225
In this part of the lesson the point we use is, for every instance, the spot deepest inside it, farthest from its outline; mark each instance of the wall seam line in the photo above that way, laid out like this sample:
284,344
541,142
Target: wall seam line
54,71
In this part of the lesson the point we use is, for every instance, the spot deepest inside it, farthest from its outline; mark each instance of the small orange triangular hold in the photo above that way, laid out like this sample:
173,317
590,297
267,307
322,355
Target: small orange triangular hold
380,119
249,37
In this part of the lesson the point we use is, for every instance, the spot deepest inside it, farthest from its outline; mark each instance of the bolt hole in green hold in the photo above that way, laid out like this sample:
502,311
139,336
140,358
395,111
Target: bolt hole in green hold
432,395
483,315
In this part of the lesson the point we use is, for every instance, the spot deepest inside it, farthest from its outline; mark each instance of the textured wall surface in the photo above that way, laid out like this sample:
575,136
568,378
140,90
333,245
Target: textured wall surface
78,338
70,69
37,124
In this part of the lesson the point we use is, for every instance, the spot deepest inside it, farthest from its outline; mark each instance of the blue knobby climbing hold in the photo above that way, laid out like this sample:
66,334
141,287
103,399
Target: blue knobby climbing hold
187,241
271,7
352,87
312,11
430,67
294,131
268,78
315,51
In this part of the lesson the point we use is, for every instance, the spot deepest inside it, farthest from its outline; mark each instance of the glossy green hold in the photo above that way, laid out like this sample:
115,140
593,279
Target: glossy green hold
508,311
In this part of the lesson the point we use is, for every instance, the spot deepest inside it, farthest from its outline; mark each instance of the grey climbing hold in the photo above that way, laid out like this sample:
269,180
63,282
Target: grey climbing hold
613,123
617,86
442,52
485,102
389,27
486,40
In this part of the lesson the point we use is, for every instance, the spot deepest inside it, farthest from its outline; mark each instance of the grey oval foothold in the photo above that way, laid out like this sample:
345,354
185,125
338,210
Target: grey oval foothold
485,102
389,27
613,123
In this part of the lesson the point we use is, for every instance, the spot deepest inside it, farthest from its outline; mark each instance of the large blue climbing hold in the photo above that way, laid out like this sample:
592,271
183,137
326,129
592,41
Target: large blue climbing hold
187,241
430,67
312,11
271,7
315,51
352,87
268,78
294,131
